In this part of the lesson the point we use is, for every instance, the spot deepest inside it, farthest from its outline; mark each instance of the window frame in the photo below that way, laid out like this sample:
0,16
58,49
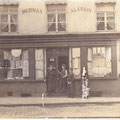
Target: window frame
21,60
113,64
56,13
9,14
105,12
44,64
71,58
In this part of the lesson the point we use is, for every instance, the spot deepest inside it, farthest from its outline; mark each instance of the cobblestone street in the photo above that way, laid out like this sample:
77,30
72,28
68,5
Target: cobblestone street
91,110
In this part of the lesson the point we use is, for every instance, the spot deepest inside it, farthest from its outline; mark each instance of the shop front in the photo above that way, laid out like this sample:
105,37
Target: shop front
25,61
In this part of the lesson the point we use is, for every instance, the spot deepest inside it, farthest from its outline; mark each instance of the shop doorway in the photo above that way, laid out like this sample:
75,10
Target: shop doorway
56,57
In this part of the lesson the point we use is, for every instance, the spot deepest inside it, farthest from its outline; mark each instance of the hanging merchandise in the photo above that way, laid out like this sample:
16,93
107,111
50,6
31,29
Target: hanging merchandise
85,88
16,52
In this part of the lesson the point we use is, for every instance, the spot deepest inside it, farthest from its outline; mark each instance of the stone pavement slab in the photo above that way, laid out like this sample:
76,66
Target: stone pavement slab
70,111
16,101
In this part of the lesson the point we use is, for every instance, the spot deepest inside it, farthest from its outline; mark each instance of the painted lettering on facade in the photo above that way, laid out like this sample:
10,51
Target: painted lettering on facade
29,10
82,9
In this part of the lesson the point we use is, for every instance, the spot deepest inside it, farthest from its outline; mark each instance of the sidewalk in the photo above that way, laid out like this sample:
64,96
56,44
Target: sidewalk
47,101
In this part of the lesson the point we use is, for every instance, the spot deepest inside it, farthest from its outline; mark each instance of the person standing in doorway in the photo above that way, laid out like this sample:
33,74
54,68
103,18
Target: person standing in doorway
51,80
64,74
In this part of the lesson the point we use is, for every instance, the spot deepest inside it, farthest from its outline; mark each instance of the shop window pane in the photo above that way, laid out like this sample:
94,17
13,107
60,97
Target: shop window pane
100,16
39,74
61,18
4,8
13,8
61,27
14,18
51,26
105,7
4,27
13,27
61,8
76,62
110,26
4,18
15,67
39,64
25,63
51,8
51,18
54,8
99,61
100,26
110,15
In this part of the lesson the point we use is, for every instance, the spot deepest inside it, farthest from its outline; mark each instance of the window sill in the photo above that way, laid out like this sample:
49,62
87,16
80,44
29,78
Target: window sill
9,33
60,32
103,78
107,31
19,80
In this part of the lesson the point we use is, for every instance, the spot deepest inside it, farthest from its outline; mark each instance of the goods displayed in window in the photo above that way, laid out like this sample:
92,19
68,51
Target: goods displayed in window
16,64
99,62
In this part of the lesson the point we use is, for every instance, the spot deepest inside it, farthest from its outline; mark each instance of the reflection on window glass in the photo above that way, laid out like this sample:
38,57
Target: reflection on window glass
39,64
16,67
76,62
99,61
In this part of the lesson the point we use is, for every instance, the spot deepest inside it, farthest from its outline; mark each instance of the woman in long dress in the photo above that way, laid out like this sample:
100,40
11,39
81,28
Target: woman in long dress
64,74
51,80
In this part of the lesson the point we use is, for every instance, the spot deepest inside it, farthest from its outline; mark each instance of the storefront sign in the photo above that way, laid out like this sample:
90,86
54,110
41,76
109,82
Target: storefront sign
30,10
81,9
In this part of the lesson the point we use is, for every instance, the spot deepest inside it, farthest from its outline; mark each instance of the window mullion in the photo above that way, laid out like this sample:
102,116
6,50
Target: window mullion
56,15
9,29
105,15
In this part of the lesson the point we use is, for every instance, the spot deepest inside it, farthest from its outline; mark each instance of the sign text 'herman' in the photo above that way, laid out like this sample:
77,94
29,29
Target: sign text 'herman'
31,10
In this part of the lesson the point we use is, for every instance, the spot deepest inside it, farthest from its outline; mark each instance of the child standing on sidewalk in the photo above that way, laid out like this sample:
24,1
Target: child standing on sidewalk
70,83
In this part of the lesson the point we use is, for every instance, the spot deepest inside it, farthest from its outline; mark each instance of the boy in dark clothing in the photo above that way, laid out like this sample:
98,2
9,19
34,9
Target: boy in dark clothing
70,83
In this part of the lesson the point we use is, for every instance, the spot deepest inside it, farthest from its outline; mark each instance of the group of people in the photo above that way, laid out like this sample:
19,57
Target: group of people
62,80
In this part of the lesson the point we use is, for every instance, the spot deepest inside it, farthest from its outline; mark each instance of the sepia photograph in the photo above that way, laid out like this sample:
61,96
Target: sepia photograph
59,59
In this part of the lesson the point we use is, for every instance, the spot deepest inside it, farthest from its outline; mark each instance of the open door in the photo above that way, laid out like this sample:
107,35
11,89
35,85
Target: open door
57,57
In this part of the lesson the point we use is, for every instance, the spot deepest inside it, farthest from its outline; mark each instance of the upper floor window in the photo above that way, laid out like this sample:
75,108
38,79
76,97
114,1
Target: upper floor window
56,15
9,18
105,17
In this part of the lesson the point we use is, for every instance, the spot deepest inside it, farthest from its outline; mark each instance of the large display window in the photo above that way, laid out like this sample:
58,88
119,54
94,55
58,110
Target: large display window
75,61
16,64
99,62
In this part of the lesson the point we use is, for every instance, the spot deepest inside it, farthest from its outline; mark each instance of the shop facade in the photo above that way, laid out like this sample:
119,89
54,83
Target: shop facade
59,32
